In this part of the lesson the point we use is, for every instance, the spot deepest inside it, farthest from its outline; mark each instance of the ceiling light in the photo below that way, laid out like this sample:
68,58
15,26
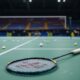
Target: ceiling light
30,1
58,1
64,0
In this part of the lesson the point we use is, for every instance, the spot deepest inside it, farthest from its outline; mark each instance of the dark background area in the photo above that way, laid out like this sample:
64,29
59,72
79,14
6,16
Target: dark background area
40,7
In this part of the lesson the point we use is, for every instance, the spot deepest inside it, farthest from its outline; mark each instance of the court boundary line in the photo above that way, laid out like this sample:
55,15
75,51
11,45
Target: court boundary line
9,50
45,48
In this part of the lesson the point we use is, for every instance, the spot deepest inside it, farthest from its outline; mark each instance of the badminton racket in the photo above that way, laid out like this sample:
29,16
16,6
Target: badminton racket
36,65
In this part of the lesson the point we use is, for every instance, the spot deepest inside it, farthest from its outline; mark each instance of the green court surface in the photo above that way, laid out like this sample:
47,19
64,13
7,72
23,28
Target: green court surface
25,47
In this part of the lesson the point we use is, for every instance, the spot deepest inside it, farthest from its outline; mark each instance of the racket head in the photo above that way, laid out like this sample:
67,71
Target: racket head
31,66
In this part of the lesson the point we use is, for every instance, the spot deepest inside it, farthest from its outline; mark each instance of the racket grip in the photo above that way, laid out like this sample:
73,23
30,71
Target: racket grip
76,51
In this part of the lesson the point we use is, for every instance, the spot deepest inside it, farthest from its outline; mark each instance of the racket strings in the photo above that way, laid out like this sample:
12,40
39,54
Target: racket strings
32,65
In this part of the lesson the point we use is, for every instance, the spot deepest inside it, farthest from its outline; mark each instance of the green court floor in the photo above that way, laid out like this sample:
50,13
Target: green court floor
25,47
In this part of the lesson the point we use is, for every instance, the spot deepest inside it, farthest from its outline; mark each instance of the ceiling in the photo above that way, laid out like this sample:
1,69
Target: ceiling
40,7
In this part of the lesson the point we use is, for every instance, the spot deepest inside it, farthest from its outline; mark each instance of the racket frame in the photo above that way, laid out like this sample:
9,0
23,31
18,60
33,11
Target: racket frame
31,73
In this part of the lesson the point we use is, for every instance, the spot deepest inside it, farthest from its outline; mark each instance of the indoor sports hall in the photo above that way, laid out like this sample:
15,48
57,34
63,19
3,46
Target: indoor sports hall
39,40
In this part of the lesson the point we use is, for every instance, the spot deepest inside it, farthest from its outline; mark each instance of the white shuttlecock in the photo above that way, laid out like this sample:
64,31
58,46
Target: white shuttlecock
41,44
3,47
75,44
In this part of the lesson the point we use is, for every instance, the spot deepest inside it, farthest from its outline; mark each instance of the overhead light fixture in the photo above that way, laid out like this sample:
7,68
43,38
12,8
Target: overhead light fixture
30,1
64,0
58,1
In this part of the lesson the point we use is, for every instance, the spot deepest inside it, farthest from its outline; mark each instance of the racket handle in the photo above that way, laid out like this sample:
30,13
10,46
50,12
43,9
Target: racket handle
76,51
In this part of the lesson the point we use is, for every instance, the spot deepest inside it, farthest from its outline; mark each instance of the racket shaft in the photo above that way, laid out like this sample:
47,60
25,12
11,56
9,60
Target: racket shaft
74,52
61,56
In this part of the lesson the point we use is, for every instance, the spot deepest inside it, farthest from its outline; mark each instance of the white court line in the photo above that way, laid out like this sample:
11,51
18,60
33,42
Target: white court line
45,49
2,53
